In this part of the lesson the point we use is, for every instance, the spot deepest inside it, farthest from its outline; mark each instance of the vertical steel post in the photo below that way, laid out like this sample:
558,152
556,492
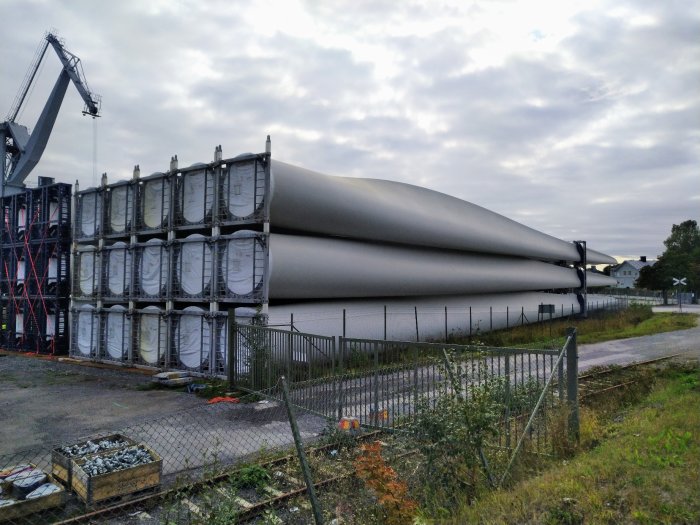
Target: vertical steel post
415,379
507,401
445,324
376,383
470,321
341,374
344,322
302,455
415,310
290,353
490,318
231,350
572,383
385,322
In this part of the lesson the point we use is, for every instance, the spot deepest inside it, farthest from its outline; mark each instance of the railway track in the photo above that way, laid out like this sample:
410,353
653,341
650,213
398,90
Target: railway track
598,382
285,483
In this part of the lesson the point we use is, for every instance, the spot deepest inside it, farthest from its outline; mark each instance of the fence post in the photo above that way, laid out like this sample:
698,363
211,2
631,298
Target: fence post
302,455
572,383
470,321
385,322
507,320
445,324
415,379
507,401
341,375
343,322
490,318
232,350
415,310
290,354
376,383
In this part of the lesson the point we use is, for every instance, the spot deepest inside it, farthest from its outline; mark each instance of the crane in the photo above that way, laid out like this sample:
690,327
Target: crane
20,151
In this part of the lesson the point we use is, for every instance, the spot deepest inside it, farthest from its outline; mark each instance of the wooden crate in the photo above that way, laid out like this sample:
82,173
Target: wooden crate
113,484
61,465
26,507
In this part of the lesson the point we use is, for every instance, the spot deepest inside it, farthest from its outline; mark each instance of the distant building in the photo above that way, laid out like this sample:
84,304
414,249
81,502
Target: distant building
627,272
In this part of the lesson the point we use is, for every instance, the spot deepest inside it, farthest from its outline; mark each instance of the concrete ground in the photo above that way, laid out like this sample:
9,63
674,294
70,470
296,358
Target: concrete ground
45,401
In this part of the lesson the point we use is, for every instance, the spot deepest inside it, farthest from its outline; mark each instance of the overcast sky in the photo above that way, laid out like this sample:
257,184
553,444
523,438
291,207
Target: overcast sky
580,119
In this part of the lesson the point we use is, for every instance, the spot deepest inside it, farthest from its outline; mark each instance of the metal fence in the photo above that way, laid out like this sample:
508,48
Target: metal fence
385,386
185,447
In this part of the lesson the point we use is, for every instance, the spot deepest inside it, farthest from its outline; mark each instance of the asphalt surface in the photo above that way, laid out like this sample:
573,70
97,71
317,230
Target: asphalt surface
624,351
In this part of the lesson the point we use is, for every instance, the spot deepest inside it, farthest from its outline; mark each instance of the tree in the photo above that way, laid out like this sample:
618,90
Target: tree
680,259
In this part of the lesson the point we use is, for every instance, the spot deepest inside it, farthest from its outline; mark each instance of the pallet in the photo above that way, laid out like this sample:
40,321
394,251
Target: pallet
62,465
119,483
25,507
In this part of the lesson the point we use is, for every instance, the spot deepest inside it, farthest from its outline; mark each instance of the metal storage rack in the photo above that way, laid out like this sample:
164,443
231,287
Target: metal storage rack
35,273
155,217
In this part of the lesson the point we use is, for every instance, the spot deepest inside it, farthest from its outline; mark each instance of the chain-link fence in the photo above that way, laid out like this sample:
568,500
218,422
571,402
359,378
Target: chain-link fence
63,481
230,459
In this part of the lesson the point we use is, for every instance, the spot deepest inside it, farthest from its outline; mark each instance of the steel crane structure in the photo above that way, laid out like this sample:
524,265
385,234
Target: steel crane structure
20,151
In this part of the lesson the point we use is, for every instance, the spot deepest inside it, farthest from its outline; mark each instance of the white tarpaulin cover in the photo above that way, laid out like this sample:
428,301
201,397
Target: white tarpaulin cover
118,268
117,332
154,267
194,202
152,330
193,336
90,211
364,318
192,264
240,198
53,270
87,337
50,325
239,263
19,323
119,207
303,267
21,270
156,205
53,213
381,210
87,275
21,218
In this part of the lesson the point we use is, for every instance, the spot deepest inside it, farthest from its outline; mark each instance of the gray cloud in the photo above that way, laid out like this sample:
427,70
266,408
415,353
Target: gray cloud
595,138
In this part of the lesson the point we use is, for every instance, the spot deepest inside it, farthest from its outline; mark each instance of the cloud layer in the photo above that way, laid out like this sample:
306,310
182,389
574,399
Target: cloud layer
580,120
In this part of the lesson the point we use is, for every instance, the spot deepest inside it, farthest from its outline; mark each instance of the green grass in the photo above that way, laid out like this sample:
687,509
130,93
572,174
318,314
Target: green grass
645,470
601,326
658,323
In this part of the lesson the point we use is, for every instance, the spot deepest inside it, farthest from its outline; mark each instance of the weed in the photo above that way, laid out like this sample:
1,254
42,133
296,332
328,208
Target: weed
565,514
250,477
391,492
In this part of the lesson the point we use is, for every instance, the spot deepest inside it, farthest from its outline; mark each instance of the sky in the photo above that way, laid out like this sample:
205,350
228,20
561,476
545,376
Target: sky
579,119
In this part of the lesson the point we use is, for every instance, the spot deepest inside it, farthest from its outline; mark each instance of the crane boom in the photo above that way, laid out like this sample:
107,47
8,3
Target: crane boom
20,151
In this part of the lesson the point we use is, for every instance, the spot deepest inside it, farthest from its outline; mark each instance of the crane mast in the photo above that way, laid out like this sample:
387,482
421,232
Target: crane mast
20,151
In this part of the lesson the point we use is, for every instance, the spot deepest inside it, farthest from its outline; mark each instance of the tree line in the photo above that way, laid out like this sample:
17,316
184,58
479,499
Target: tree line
681,258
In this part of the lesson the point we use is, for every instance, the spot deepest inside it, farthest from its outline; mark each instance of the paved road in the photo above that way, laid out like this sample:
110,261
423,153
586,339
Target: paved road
625,351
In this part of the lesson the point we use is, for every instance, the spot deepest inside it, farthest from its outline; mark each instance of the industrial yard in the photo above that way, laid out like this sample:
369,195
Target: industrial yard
372,265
